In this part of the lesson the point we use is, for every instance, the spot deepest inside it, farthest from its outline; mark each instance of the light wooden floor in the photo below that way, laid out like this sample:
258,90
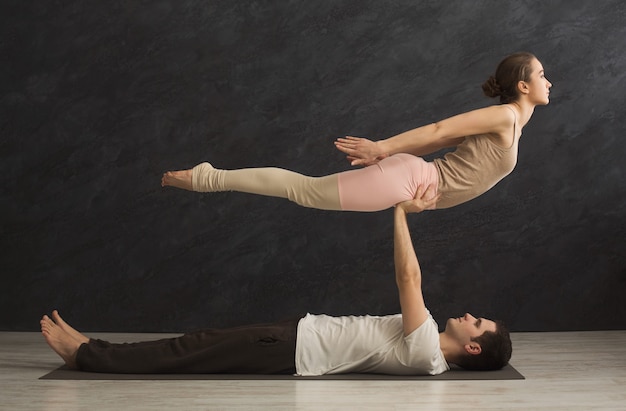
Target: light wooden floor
564,371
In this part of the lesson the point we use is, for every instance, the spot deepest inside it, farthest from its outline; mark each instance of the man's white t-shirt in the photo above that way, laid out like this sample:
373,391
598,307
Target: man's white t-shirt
367,344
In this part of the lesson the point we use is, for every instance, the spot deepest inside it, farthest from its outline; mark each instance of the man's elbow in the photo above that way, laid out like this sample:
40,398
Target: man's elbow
409,278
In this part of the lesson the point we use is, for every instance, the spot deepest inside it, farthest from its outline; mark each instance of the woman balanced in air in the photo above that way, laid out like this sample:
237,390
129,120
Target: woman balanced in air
486,142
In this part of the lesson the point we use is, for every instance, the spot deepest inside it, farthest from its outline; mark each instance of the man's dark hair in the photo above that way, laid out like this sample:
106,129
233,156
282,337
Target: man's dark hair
495,351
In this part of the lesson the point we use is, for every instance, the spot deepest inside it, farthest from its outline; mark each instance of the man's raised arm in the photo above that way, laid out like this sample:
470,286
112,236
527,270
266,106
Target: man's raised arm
408,272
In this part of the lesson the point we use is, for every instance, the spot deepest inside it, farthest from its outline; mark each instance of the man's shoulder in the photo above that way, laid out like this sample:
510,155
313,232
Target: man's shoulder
428,331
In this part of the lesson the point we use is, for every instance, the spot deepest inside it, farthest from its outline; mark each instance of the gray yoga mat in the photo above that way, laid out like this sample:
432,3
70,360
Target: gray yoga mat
506,373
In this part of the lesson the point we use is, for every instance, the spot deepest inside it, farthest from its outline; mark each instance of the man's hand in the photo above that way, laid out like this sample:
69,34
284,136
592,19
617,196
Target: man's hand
360,151
425,198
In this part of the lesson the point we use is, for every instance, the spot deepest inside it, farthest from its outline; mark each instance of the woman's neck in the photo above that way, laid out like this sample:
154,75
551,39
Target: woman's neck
525,111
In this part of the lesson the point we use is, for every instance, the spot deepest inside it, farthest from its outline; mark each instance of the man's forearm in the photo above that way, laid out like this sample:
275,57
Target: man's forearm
406,264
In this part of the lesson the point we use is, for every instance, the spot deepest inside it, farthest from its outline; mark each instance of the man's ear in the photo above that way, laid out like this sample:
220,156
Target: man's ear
473,348
522,87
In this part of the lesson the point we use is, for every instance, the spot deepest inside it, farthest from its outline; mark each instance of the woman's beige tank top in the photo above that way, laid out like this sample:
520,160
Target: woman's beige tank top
474,167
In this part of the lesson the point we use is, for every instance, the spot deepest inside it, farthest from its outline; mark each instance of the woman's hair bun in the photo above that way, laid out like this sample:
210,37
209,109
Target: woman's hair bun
491,88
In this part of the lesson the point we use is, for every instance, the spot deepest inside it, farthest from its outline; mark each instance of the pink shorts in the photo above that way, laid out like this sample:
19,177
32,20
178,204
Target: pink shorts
383,185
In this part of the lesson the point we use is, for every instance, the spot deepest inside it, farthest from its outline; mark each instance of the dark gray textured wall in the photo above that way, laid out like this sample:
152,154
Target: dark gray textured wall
99,98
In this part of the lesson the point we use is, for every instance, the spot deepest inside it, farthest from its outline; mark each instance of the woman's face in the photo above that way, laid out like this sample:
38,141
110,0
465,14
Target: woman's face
538,87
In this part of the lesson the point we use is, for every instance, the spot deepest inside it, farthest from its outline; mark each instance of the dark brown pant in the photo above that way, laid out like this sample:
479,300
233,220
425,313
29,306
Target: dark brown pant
253,349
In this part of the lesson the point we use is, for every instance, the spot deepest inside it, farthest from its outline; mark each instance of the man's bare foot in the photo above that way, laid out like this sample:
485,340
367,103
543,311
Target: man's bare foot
178,179
61,342
68,329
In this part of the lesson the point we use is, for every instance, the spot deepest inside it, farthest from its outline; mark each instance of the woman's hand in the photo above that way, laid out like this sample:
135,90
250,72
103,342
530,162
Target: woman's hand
360,151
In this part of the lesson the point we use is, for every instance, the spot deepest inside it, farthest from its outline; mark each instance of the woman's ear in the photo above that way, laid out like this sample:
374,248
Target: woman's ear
522,86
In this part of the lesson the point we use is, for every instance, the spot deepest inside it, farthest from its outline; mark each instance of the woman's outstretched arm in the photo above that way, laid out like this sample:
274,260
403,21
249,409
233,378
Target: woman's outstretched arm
495,120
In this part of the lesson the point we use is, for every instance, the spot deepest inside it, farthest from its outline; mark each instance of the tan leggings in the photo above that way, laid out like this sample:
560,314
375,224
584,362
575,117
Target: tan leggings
374,188
314,192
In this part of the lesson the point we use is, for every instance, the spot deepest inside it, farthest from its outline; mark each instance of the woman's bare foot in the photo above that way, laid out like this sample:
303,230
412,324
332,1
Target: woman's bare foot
68,329
178,179
61,342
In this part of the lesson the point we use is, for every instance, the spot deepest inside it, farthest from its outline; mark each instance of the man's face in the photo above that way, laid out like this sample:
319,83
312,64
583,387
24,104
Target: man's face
467,327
